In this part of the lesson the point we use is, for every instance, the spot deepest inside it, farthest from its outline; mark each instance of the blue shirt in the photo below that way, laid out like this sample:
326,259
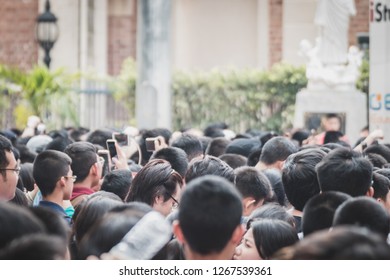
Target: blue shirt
57,208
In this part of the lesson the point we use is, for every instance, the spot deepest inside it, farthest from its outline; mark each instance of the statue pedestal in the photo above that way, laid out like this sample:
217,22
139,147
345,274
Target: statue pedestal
350,105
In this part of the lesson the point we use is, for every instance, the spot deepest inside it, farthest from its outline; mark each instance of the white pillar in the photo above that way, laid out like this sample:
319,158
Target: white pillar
153,94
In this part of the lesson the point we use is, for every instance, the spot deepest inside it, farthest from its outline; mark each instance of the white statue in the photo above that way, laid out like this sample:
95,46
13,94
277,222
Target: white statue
332,16
330,63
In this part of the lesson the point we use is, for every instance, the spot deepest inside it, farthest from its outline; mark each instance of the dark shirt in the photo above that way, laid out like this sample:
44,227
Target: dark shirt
57,208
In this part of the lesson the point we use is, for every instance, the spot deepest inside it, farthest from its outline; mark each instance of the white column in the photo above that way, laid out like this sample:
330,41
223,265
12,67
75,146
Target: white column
153,100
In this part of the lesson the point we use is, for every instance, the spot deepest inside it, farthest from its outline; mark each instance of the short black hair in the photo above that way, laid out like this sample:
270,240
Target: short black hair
49,167
175,156
210,211
5,146
345,170
209,165
364,212
83,155
319,211
300,178
118,182
190,144
251,182
277,149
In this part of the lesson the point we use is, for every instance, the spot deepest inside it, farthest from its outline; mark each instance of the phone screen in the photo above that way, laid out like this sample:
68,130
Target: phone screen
149,142
111,148
121,138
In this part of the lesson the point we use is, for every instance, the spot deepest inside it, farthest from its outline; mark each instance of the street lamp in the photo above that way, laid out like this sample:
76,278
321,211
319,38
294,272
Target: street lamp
47,32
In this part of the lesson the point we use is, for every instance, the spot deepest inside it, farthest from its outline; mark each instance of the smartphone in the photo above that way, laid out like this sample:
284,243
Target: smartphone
150,147
107,161
111,147
121,138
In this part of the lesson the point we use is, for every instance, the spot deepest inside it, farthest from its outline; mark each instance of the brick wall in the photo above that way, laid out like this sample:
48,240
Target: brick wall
17,28
360,22
275,30
121,39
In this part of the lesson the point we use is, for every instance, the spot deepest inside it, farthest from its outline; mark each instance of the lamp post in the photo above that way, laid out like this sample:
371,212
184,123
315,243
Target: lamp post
47,32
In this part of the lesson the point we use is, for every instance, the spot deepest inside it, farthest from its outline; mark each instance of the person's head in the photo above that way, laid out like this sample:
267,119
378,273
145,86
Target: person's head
165,133
275,151
60,141
275,178
118,182
253,157
111,228
175,156
54,223
363,212
379,149
37,246
190,144
376,160
381,185
86,163
243,146
319,211
217,146
331,122
158,185
209,165
300,135
51,170
91,210
99,137
25,154
300,177
264,238
26,175
254,187
384,171
209,223
234,160
341,243
15,222
271,211
37,143
9,170
347,171
333,136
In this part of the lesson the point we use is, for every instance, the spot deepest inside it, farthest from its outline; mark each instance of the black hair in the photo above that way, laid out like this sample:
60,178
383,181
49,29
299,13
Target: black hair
206,233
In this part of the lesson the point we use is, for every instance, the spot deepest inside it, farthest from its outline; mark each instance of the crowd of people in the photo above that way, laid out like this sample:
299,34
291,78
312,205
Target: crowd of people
210,194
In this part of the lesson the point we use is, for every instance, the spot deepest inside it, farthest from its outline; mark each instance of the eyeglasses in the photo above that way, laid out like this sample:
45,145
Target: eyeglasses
74,178
16,170
176,203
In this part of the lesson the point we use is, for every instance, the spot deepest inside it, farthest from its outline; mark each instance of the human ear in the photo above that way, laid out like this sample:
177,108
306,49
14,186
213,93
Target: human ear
178,232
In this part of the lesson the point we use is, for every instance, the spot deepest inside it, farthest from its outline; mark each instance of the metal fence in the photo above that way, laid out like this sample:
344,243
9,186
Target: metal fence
97,108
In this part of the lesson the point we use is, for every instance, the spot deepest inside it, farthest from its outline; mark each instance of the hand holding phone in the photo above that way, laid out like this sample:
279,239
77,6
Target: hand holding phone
107,161
155,143
118,157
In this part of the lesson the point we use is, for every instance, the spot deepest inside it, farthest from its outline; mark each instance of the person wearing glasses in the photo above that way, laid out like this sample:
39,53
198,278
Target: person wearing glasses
9,170
157,185
54,177
88,167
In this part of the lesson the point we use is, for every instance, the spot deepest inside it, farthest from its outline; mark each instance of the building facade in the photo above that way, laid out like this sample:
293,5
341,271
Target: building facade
97,35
